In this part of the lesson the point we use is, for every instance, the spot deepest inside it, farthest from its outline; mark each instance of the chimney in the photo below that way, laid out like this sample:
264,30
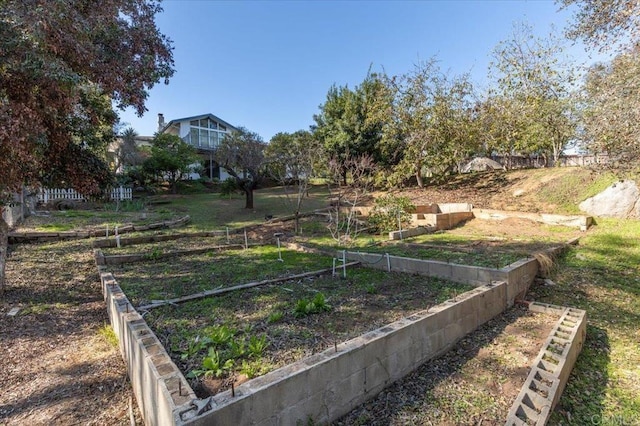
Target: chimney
161,122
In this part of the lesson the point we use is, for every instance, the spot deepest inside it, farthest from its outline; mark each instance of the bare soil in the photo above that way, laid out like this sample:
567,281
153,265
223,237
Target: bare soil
475,383
57,368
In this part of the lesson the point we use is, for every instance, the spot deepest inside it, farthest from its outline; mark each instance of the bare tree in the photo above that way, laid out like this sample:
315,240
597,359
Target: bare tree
291,159
345,199
241,154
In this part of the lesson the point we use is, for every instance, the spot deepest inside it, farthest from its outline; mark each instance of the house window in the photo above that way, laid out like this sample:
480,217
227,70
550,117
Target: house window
206,133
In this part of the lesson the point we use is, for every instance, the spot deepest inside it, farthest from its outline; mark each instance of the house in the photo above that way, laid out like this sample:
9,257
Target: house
203,132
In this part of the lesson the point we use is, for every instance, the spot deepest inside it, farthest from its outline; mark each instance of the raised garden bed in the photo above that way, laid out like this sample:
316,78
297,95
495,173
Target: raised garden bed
150,280
289,321
476,382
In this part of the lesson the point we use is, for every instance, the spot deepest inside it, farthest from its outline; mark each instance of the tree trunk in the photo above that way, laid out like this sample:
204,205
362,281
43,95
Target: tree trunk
297,222
419,176
249,198
4,247
344,177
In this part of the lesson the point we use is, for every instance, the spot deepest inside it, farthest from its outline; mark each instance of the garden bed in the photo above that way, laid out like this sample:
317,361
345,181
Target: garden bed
476,382
264,328
150,280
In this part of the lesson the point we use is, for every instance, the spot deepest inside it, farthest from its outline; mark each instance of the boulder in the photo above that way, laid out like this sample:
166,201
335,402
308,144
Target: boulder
622,200
481,164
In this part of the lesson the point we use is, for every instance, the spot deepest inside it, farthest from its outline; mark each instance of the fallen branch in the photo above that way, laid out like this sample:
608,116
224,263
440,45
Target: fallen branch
157,304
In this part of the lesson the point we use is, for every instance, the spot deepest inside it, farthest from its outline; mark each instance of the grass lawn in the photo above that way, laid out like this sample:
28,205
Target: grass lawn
602,276
212,211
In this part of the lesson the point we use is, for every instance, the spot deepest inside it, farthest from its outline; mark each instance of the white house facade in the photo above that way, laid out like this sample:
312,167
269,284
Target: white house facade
203,132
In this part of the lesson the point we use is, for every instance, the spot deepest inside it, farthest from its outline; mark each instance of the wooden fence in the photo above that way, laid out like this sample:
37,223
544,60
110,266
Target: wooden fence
49,194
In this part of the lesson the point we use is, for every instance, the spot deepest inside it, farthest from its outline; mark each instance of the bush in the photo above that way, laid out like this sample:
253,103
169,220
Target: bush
228,187
388,211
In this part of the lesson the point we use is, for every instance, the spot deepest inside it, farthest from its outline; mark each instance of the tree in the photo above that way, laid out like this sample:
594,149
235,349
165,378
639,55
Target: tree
606,24
612,112
533,81
242,155
170,158
350,123
433,120
62,63
128,154
291,159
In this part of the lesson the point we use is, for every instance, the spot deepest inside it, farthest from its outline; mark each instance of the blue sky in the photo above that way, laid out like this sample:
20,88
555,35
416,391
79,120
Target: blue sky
267,65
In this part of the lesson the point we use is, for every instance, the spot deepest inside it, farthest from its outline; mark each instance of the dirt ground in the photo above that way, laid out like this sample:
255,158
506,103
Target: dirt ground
57,367
474,383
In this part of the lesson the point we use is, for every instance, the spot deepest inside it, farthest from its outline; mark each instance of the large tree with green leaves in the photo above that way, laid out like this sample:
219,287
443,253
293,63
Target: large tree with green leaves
170,158
612,90
532,79
62,64
433,119
242,155
350,123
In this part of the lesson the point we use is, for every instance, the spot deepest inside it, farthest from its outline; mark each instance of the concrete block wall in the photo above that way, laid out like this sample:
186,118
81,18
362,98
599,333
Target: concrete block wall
454,207
449,220
411,232
327,385
518,275
551,369
159,386
577,221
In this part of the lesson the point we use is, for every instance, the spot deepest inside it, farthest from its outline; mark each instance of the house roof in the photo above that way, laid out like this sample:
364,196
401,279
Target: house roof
199,117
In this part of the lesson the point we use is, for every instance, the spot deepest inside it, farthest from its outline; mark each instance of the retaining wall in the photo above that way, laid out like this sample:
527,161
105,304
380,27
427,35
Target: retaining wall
518,276
576,221
327,385
159,386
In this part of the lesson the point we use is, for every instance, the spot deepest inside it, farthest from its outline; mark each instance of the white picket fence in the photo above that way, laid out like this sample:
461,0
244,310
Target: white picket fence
49,194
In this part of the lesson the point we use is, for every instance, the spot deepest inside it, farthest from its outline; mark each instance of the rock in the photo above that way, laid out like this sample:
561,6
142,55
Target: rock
622,200
480,164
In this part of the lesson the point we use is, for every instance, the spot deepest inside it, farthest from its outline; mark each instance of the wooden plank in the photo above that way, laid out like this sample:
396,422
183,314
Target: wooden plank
217,291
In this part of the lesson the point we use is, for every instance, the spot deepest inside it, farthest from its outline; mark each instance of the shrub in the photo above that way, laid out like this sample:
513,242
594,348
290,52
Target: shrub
228,187
389,211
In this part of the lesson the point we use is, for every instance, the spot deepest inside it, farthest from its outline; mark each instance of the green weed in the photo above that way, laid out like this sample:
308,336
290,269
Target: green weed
107,333
257,345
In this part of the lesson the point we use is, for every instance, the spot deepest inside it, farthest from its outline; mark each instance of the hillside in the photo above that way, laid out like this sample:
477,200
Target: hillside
557,190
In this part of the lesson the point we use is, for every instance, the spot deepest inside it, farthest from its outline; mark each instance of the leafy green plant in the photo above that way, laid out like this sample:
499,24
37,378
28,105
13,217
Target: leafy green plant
254,368
257,345
316,305
194,346
237,348
275,317
390,212
153,254
215,365
221,335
